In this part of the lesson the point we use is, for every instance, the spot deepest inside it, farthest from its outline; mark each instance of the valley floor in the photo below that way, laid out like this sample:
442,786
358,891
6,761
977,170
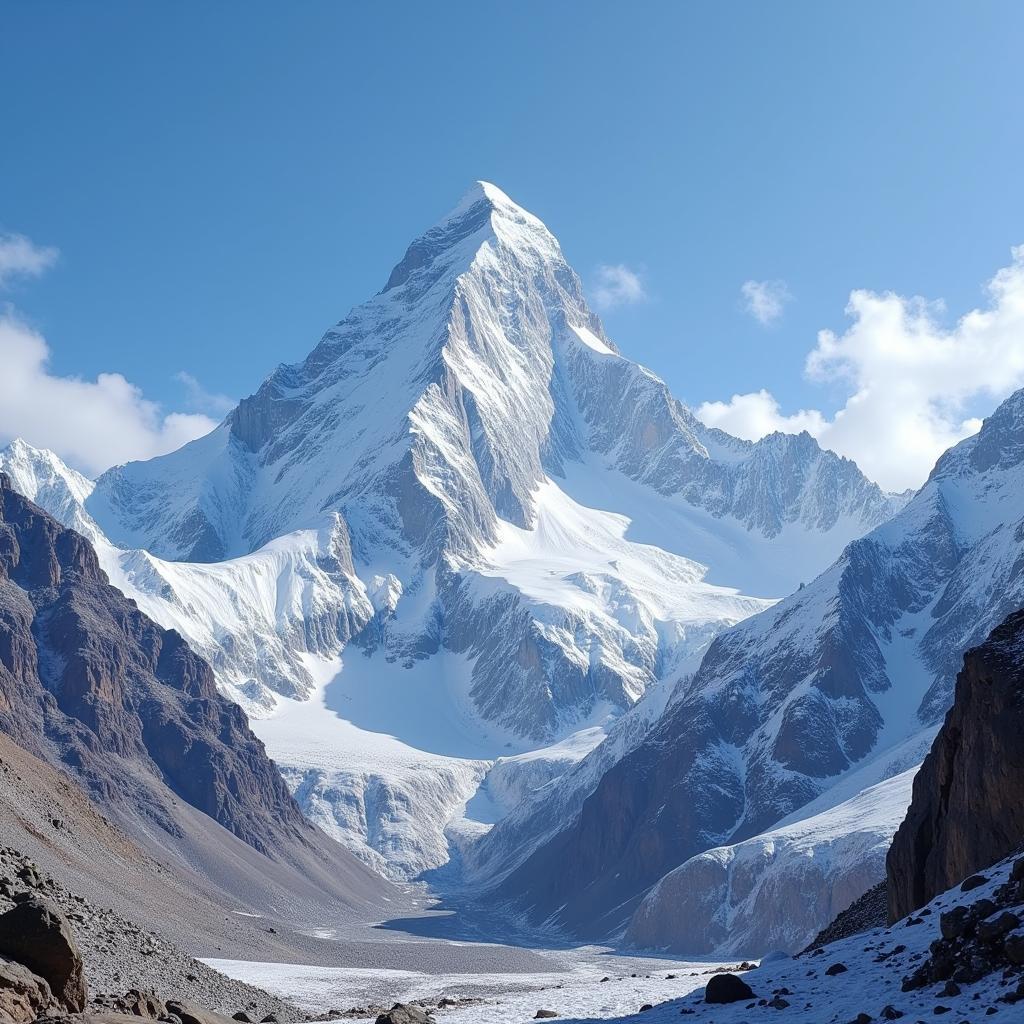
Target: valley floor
433,953
496,984
973,932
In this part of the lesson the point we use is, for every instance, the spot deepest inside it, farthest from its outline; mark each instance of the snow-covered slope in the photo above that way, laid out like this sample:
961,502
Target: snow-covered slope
788,703
469,496
777,890
874,975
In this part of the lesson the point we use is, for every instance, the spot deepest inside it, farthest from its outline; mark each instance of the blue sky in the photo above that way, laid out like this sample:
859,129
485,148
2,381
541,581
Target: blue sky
224,181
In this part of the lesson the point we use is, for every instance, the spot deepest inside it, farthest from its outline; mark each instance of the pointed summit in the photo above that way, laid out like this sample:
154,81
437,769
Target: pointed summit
484,212
484,193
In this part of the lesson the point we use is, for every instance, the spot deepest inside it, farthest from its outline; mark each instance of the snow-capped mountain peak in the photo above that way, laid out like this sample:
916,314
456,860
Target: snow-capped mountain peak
484,214
44,478
520,506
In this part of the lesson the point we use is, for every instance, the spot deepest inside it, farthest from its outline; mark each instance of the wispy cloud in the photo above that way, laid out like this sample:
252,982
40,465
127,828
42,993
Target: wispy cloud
765,300
201,400
21,257
910,380
617,285
92,424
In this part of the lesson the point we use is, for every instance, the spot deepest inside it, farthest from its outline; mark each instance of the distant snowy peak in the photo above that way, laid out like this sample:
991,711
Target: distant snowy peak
42,477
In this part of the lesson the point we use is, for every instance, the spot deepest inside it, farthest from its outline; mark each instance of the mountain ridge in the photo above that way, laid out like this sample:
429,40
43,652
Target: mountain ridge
782,705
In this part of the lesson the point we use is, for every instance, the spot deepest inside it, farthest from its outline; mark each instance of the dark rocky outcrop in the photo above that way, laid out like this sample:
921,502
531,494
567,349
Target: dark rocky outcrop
727,988
968,802
88,679
978,937
35,933
867,912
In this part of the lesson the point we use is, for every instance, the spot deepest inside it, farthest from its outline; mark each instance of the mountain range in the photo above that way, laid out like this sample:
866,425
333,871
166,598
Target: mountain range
507,615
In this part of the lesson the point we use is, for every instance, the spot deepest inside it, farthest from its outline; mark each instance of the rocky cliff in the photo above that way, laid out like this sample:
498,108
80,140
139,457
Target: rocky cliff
968,799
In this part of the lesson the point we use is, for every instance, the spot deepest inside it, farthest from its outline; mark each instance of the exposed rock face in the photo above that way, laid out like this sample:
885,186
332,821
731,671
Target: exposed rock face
868,911
968,800
36,934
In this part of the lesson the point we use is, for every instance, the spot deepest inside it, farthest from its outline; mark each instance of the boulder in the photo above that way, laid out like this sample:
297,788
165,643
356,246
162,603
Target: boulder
1013,946
727,988
36,934
998,925
404,1013
141,1004
24,996
953,923
189,1013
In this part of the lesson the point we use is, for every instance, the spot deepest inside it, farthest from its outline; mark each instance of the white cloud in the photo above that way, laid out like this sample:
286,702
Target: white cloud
617,285
21,257
201,400
765,300
758,413
910,380
91,424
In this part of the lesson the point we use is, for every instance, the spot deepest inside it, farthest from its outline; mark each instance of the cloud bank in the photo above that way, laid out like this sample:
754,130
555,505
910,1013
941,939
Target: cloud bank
92,424
201,400
910,380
